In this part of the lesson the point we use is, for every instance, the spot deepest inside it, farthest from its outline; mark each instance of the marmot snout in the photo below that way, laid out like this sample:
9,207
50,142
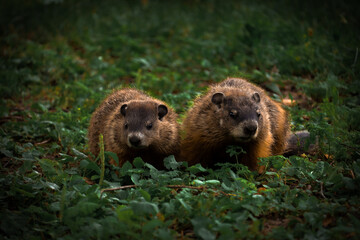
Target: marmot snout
240,115
140,122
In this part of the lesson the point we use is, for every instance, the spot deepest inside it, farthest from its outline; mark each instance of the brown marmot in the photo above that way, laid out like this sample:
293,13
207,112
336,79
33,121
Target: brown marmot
234,112
135,125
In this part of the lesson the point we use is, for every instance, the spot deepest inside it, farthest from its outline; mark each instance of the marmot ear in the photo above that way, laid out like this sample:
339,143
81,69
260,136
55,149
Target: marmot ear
123,109
162,111
217,98
256,97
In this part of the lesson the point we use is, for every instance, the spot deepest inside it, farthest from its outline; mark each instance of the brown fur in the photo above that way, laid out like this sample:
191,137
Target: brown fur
209,128
124,116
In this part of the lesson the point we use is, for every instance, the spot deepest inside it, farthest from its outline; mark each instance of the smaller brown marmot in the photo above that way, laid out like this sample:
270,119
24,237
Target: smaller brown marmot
234,112
135,125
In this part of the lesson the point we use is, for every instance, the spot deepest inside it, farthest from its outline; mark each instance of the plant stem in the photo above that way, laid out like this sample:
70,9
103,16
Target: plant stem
102,159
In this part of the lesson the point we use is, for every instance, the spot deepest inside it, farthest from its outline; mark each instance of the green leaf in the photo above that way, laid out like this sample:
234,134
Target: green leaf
89,165
48,167
184,204
201,225
164,234
125,168
213,182
274,87
151,167
253,209
24,192
138,162
113,156
312,218
55,206
145,194
196,169
124,213
52,186
144,208
170,163
205,234
233,175
198,182
151,226
135,178
27,166
78,153
7,153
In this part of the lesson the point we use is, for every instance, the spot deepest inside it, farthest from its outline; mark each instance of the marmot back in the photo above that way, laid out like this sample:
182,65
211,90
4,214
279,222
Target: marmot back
234,112
135,125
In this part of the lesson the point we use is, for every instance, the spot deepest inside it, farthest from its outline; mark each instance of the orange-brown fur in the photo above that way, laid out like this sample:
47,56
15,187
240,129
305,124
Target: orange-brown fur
160,141
209,130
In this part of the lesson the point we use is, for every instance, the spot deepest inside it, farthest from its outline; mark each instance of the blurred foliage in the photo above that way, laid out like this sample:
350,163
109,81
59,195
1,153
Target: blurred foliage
60,58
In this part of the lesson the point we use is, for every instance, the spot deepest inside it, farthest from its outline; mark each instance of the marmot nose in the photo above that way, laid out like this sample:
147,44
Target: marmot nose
250,129
135,141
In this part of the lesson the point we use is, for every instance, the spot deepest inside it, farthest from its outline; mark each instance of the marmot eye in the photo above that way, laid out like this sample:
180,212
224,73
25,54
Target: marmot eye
126,126
149,126
259,115
232,114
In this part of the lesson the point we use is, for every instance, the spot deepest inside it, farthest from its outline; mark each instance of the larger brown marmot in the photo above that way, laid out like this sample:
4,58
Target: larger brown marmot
135,125
234,112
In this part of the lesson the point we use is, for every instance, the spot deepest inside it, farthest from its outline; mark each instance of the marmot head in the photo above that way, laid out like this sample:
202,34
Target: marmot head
239,114
141,122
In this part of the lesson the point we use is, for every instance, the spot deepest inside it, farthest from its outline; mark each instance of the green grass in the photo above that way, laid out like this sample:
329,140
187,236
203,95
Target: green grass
59,59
